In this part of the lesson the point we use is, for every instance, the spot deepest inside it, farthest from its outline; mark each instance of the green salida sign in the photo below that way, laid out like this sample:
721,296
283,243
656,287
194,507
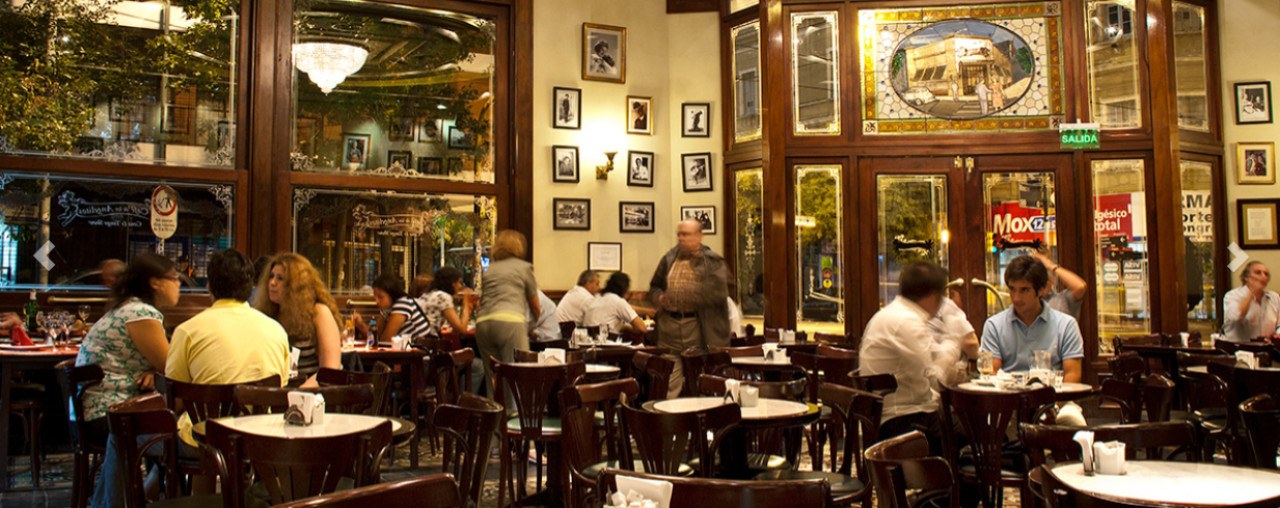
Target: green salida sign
1077,136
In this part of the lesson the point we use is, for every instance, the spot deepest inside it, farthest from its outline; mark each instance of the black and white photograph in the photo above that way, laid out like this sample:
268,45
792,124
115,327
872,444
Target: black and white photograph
706,215
429,131
640,169
695,120
459,138
402,157
639,115
696,170
1253,102
355,151
635,217
430,166
400,130
572,213
564,163
604,53
568,108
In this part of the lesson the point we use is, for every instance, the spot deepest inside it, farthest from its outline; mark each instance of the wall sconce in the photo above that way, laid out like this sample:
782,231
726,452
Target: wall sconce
602,172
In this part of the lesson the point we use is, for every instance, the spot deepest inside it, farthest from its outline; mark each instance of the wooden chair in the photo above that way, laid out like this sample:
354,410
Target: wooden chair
985,419
204,402
768,449
709,493
532,387
292,469
350,399
835,351
449,374
1052,444
695,361
26,403
655,372
744,352
85,447
567,328
1128,366
585,453
1261,418
1155,394
663,440
469,426
434,491
379,377
833,339
147,415
902,465
879,384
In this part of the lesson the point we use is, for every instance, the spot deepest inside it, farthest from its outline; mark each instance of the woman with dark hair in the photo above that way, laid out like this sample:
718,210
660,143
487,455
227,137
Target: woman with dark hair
611,312
129,343
437,304
406,317
292,293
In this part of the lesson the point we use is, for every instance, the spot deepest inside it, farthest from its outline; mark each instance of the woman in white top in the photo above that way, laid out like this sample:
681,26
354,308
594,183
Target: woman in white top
610,311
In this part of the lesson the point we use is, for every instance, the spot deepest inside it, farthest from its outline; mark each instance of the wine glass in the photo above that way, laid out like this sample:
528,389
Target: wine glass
42,321
83,312
67,320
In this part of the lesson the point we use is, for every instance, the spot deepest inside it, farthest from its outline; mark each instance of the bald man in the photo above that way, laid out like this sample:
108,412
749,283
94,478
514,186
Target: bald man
689,289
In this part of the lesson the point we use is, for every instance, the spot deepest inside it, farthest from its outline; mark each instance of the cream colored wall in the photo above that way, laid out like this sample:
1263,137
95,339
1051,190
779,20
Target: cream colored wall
670,58
1250,47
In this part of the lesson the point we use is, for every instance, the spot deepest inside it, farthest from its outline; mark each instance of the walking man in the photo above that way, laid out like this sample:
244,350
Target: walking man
689,289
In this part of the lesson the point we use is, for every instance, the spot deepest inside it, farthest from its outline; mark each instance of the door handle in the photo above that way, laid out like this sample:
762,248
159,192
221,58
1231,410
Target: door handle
990,287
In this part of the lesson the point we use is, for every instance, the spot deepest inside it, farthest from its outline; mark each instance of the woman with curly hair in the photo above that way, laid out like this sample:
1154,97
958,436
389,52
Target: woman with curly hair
292,293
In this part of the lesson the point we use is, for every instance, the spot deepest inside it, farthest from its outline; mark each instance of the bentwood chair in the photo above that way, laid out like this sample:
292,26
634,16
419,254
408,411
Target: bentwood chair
146,415
379,377
85,446
469,426
350,399
709,493
663,440
586,450
695,361
532,387
906,476
767,449
1261,418
434,491
203,402
984,418
654,372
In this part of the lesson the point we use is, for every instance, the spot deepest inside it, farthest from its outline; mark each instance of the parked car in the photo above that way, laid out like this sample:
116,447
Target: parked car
918,95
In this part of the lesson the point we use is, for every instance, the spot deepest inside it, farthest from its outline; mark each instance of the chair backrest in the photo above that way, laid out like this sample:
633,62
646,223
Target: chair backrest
144,415
435,491
879,384
469,428
835,351
532,386
567,328
750,340
379,377
711,493
744,352
985,418
658,370
1158,392
452,371
580,442
1127,395
292,469
1203,390
1227,347
1158,440
1128,366
1261,418
796,389
74,381
351,399
809,363
522,356
860,411
203,402
900,464
696,361
663,440
838,340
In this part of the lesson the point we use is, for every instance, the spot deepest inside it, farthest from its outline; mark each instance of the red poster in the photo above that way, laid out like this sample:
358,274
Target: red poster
1015,223
1113,215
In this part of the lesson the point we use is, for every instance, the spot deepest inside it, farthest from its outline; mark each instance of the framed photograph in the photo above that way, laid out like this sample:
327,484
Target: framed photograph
355,151
604,256
430,166
459,138
703,214
429,131
400,130
604,53
1253,102
696,169
572,213
1255,163
639,115
695,120
403,157
635,217
564,161
1256,223
455,165
640,169
568,108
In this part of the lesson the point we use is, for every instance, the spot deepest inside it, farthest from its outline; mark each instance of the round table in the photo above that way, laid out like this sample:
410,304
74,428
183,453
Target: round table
598,372
1179,483
1067,391
335,424
765,409
766,414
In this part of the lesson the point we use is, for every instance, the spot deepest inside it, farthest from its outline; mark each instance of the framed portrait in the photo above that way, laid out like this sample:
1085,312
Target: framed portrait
564,163
703,214
1255,163
460,138
1256,223
568,108
430,166
695,120
639,115
455,165
402,157
355,151
604,256
604,53
640,169
400,130
429,131
572,213
696,171
635,217
1253,102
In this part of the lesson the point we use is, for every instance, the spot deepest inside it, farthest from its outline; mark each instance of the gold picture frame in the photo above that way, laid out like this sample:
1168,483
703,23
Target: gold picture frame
604,53
1255,163
1256,223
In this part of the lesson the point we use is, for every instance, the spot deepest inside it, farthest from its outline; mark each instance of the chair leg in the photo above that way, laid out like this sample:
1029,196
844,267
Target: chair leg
33,438
504,469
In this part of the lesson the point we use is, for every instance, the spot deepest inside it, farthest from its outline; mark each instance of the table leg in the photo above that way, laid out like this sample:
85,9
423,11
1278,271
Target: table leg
5,385
733,456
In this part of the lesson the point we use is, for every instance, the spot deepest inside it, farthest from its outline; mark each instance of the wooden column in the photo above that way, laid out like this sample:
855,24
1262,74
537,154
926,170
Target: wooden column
778,261
1164,226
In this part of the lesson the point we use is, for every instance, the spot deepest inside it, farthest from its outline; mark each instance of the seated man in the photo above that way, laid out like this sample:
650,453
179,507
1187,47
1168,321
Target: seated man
543,327
1250,310
952,333
897,341
573,306
1029,325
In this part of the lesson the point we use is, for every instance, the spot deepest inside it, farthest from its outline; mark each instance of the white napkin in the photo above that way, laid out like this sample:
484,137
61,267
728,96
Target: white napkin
1246,358
651,490
731,389
787,337
294,354
399,343
1085,438
551,355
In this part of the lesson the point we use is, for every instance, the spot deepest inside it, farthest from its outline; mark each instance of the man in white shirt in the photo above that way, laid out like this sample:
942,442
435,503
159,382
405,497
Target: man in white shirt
897,341
544,327
1250,310
953,336
573,306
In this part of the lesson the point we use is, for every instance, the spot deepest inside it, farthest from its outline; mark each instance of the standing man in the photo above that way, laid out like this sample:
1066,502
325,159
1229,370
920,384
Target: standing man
1250,310
1029,325
983,96
574,304
689,289
1069,299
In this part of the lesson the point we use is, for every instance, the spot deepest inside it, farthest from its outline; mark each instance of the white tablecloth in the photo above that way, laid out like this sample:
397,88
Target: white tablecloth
1186,483
765,409
335,424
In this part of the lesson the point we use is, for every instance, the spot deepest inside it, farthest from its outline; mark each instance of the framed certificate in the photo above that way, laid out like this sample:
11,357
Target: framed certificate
1256,222
604,256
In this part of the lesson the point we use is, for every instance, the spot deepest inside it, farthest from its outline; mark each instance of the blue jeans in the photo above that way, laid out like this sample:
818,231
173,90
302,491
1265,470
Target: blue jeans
113,482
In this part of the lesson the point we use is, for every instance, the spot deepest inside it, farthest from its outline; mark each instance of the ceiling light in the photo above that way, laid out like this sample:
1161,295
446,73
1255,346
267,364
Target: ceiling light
328,63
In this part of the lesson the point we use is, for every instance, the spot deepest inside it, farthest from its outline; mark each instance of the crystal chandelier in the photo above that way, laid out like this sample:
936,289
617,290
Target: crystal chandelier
328,63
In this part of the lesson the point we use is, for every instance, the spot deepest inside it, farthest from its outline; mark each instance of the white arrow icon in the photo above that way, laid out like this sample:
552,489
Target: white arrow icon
42,255
1238,257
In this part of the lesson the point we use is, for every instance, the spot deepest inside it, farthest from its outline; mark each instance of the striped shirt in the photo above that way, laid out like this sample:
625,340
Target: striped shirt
415,322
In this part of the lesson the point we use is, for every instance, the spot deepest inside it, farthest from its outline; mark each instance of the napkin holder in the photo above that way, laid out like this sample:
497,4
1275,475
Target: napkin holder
305,408
1246,359
1085,439
552,356
1108,457
641,493
748,396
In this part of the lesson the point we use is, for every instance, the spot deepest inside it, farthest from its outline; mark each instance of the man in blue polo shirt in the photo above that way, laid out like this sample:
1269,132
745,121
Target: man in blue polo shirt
1015,334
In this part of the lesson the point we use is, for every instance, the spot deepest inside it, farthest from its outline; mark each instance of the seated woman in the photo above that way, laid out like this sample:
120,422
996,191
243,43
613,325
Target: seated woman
406,317
292,293
438,302
611,312
129,343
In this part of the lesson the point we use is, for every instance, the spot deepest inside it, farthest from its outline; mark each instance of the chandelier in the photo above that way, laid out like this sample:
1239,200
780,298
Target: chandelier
328,63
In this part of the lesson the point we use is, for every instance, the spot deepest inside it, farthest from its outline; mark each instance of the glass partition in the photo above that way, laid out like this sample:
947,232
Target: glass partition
353,236
815,76
1189,57
392,91
80,222
1021,218
749,210
146,82
737,5
819,246
912,225
746,82
1120,249
1113,55
1198,241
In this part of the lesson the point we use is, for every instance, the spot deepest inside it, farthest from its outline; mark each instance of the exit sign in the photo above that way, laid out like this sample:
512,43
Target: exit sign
1075,136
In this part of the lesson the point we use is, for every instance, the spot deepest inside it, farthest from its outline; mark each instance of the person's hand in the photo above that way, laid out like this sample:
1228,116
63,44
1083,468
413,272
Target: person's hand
1255,287
8,320
1043,259
147,381
361,326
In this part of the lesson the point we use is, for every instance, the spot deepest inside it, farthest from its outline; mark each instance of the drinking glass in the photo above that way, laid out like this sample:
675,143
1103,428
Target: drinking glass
1043,360
83,312
986,363
42,321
